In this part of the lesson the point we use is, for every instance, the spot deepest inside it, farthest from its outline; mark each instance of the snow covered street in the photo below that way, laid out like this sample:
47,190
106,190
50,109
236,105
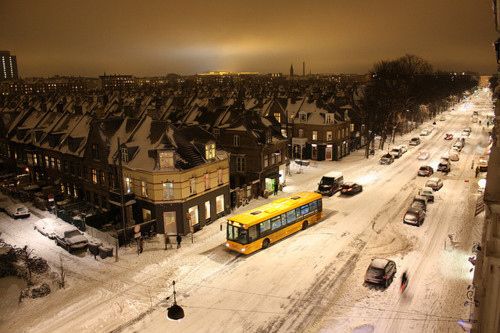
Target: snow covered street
312,281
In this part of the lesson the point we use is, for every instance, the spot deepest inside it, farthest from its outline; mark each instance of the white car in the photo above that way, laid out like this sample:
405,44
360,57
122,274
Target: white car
17,211
423,155
442,118
428,193
403,148
424,132
434,183
454,155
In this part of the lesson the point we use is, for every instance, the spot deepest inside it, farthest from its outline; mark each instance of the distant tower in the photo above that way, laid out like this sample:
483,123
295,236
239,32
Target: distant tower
291,70
303,68
8,66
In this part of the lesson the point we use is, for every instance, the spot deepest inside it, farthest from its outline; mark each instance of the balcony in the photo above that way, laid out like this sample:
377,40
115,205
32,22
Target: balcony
115,198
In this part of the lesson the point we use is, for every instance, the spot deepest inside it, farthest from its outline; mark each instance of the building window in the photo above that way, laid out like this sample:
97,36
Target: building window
301,133
101,177
192,186
266,161
273,159
46,161
283,132
58,164
128,185
144,189
62,188
219,204
236,140
216,131
220,180
278,157
277,116
94,176
352,127
329,118
303,117
95,151
206,178
166,159
207,210
52,162
315,135
124,153
240,163
210,151
168,190
35,159
329,136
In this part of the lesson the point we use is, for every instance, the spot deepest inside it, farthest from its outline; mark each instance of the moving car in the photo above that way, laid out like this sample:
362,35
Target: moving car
427,192
434,183
386,159
419,202
17,211
448,136
381,271
414,141
425,171
330,183
351,188
414,216
444,166
423,155
72,239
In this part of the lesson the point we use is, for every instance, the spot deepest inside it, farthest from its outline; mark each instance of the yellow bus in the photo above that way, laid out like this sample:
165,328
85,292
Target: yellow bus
260,227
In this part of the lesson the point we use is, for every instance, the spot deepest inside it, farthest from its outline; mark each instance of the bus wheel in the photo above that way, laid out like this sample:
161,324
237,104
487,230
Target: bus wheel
265,243
305,224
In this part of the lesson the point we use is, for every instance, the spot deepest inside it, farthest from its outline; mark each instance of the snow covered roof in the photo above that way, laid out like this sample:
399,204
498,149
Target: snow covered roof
379,263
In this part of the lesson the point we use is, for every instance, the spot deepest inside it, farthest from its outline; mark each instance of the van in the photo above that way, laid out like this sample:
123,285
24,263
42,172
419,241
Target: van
330,183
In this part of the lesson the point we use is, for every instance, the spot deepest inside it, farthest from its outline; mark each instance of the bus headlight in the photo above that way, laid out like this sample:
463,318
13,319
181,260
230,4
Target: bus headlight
227,244
243,249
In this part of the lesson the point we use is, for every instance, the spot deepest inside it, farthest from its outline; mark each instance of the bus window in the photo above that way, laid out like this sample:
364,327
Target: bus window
276,222
304,210
290,216
264,227
252,233
313,206
319,205
236,234
283,219
297,212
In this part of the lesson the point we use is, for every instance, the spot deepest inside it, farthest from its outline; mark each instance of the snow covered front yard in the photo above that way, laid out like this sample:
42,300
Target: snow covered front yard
312,281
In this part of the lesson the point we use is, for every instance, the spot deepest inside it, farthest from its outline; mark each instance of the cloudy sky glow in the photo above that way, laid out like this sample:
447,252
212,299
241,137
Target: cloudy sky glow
156,37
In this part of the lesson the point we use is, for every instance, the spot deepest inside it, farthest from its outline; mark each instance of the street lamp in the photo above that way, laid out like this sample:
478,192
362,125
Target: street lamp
175,312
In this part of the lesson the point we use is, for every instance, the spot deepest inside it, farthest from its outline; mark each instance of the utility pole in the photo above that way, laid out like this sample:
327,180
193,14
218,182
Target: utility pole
122,195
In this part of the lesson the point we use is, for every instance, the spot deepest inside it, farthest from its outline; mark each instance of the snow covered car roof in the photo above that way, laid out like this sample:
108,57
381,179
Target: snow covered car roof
379,263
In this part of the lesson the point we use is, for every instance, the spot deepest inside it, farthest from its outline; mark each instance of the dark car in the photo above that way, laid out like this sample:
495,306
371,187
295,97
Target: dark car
72,239
425,171
330,183
414,216
351,188
444,166
414,141
381,271
386,159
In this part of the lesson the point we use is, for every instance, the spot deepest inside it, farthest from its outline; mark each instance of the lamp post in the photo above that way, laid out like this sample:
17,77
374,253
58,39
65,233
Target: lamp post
175,312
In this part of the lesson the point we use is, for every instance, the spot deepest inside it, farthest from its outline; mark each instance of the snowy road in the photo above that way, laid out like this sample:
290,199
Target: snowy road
311,281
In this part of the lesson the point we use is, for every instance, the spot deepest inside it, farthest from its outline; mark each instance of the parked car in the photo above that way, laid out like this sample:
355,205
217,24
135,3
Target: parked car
72,239
414,216
386,159
427,192
17,211
483,163
330,183
423,155
396,152
467,129
351,188
381,271
454,155
458,145
448,136
435,183
403,148
414,142
420,202
444,166
424,132
425,171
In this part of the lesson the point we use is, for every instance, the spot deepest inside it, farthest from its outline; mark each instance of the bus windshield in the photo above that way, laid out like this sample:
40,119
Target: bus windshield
236,234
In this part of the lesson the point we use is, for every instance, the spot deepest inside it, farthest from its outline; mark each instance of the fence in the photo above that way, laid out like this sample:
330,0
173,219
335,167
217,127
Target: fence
479,206
103,236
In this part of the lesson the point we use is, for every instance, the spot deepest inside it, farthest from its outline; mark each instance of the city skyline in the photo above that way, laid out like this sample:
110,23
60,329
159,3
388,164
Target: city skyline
191,37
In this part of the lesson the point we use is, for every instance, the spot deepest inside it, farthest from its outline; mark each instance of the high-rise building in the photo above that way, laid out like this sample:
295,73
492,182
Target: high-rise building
8,66
291,70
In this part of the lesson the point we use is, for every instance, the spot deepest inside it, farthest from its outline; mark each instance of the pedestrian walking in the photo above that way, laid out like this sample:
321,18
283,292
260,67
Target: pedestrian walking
275,187
167,241
141,244
477,171
179,240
